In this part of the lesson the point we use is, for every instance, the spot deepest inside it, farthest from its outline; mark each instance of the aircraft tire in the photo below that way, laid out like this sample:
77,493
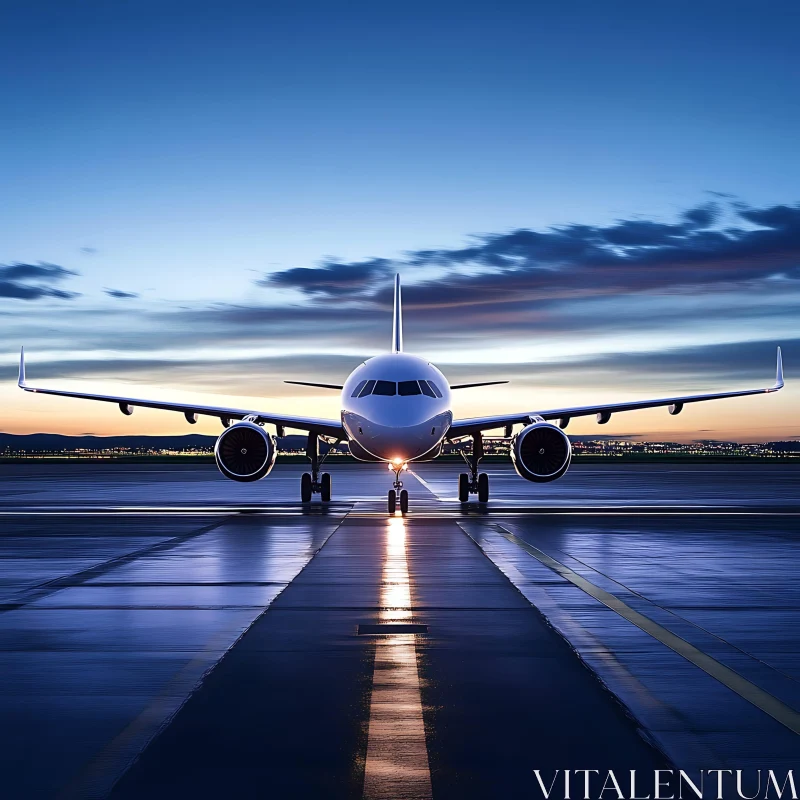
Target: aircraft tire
463,487
483,488
392,501
325,488
305,488
404,502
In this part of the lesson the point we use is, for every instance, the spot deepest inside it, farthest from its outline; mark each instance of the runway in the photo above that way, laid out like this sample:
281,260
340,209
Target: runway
166,632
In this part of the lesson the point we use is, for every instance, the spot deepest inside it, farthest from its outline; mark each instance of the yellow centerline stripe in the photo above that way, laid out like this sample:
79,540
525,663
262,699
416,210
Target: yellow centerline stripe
762,700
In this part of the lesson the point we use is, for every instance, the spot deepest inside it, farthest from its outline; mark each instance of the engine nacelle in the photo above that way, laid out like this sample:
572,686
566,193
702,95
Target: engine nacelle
541,452
245,452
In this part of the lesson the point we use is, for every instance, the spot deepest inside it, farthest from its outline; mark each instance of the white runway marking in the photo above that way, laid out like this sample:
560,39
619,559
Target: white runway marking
397,765
425,484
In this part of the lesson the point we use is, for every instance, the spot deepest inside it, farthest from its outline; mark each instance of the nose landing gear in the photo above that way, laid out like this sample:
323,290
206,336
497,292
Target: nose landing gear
398,492
475,482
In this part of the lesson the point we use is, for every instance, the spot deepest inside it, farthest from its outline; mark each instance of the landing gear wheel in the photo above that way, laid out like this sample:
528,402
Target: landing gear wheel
325,486
483,488
392,501
305,487
463,487
404,502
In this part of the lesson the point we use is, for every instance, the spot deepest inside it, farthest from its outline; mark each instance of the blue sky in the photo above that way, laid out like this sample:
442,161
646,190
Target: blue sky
194,155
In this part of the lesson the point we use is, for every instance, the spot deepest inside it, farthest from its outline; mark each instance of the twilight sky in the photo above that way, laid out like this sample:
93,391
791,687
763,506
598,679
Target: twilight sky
596,201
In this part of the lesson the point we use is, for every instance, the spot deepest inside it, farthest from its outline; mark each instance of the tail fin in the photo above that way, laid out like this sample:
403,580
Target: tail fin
397,323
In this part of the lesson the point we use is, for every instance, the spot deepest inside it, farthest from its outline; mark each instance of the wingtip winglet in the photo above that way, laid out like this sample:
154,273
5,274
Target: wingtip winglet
779,371
21,381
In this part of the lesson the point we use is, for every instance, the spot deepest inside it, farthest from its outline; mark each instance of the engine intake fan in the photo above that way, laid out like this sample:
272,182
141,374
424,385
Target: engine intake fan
245,452
541,452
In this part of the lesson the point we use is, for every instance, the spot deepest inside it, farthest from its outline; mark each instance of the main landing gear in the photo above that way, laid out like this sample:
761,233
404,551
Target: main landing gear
475,482
314,482
398,492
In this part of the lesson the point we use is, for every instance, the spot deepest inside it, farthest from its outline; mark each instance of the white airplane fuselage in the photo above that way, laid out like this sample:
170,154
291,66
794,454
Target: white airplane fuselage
408,419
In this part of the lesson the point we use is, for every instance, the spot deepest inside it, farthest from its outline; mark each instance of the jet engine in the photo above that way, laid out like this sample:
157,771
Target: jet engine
541,452
245,452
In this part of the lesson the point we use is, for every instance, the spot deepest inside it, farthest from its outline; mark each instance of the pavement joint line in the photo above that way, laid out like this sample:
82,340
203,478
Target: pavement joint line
764,701
685,620
109,766
34,593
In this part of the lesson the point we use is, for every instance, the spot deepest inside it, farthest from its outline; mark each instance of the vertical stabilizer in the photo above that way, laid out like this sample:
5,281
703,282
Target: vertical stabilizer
397,323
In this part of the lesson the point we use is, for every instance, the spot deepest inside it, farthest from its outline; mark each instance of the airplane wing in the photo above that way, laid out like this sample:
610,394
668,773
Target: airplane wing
466,427
323,427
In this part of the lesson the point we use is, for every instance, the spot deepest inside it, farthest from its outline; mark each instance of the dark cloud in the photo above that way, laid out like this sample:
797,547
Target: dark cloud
783,218
331,278
633,255
119,294
34,281
702,216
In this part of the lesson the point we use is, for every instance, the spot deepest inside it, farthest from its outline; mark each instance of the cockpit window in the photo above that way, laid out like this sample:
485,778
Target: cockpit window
390,388
426,389
386,388
357,390
435,388
406,388
368,387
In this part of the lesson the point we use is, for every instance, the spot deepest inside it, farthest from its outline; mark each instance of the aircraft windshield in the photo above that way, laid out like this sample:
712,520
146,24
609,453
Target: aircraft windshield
390,388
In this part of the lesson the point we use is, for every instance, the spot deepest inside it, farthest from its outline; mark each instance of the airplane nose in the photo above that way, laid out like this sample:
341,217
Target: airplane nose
392,441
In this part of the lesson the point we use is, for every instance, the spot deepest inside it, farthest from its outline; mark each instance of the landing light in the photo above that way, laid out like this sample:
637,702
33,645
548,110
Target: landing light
397,461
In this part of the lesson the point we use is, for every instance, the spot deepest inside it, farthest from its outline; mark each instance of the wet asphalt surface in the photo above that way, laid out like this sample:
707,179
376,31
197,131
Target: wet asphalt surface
165,632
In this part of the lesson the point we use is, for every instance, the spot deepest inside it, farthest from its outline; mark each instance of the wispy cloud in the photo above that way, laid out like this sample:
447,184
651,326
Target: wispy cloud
120,295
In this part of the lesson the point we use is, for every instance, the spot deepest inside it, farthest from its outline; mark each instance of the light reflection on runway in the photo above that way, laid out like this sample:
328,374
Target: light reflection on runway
397,756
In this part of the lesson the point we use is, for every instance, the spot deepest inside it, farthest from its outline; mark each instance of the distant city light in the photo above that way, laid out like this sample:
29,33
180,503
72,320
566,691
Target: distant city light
606,448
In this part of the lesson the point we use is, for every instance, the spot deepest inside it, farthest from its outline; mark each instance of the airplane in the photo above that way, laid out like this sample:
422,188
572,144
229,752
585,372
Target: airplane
396,409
